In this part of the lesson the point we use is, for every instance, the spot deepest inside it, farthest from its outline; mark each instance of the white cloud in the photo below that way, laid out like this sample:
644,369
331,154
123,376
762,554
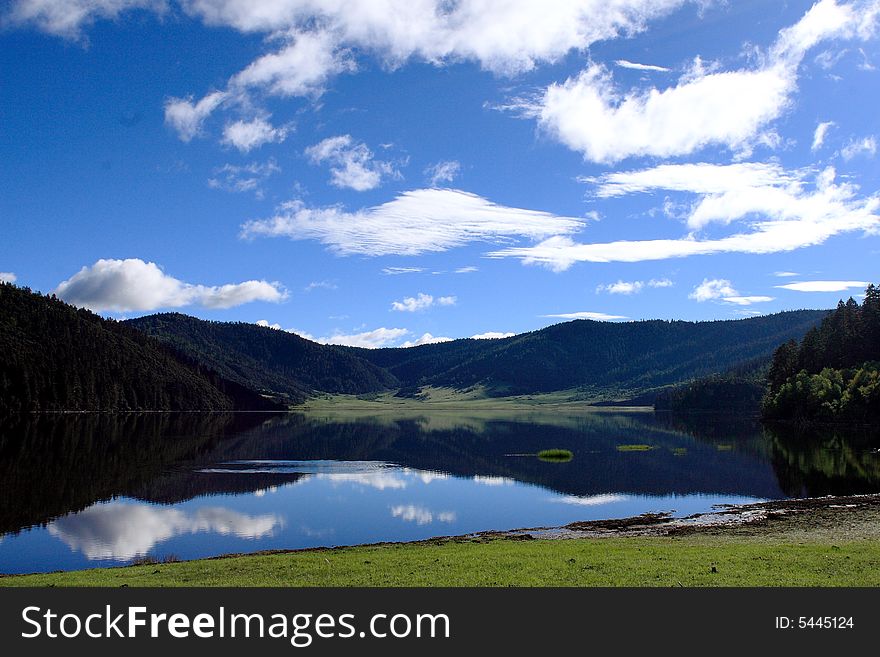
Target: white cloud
68,17
623,63
443,172
324,285
135,285
722,289
470,269
421,301
375,339
265,324
351,163
187,117
823,286
590,114
747,301
7,277
785,274
492,335
590,500
377,479
397,271
243,178
426,338
621,287
866,146
660,282
419,221
420,515
124,531
599,317
819,135
247,135
781,210
712,289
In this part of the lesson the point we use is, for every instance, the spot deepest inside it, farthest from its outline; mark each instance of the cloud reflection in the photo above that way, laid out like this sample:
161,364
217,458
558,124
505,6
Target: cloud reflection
590,500
123,531
421,515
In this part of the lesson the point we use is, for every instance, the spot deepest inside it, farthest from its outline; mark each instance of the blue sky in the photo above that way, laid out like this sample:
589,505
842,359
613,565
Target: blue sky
395,172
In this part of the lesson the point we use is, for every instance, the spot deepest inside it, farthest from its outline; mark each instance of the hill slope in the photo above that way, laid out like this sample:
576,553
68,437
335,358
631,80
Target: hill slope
265,359
584,353
56,357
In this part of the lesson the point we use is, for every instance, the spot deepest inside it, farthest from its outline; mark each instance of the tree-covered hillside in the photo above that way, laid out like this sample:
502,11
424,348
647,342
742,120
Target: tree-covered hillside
55,357
833,374
584,353
268,360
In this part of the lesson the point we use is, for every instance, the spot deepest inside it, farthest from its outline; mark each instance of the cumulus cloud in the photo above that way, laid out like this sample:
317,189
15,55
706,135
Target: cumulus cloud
135,285
421,301
590,114
123,531
621,287
426,338
823,286
352,165
240,178
443,172
586,314
247,135
187,117
380,337
492,335
7,277
722,289
819,135
783,211
419,221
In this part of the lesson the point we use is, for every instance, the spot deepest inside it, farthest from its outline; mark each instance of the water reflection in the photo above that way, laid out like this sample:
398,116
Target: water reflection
123,531
113,488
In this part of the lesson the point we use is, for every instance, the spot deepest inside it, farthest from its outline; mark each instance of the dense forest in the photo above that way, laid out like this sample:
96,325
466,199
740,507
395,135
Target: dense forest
739,390
833,374
631,356
271,361
56,357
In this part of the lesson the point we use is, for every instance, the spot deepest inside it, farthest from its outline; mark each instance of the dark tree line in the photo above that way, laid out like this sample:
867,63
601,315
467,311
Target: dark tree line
56,357
833,374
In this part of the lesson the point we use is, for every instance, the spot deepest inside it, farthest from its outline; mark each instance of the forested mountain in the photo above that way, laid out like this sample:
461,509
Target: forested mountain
268,360
56,357
833,374
584,353
739,390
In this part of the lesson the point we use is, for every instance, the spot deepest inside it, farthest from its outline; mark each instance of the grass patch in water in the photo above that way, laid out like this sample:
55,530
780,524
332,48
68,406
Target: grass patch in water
634,448
555,455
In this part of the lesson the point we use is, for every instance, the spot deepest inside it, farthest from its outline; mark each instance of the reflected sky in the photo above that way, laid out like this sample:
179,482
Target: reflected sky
331,503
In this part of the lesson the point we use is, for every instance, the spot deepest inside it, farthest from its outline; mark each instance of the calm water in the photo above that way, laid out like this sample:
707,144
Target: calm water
90,491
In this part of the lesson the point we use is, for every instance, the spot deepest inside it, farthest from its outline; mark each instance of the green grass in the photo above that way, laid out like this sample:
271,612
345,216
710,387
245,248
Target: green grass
692,560
555,455
634,448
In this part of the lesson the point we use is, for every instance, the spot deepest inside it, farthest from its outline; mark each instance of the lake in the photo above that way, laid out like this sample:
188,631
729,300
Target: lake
95,490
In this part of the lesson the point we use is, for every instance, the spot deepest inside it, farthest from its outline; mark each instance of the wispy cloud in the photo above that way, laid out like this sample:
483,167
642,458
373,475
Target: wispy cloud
374,339
721,289
320,285
244,177
426,338
421,301
782,211
470,269
352,164
823,286
624,63
819,135
443,172
492,335
187,116
420,221
785,274
135,285
866,146
397,271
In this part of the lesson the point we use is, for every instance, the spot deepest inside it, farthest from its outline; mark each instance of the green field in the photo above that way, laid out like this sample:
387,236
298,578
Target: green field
635,561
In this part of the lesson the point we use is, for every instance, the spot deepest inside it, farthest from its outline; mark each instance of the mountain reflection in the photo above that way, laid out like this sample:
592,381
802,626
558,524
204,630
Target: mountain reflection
122,531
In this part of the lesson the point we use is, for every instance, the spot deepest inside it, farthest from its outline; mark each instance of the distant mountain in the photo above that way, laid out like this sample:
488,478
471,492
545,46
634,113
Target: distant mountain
55,357
588,354
597,356
267,360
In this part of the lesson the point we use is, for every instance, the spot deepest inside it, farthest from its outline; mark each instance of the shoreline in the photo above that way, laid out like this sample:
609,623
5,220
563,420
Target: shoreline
830,541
